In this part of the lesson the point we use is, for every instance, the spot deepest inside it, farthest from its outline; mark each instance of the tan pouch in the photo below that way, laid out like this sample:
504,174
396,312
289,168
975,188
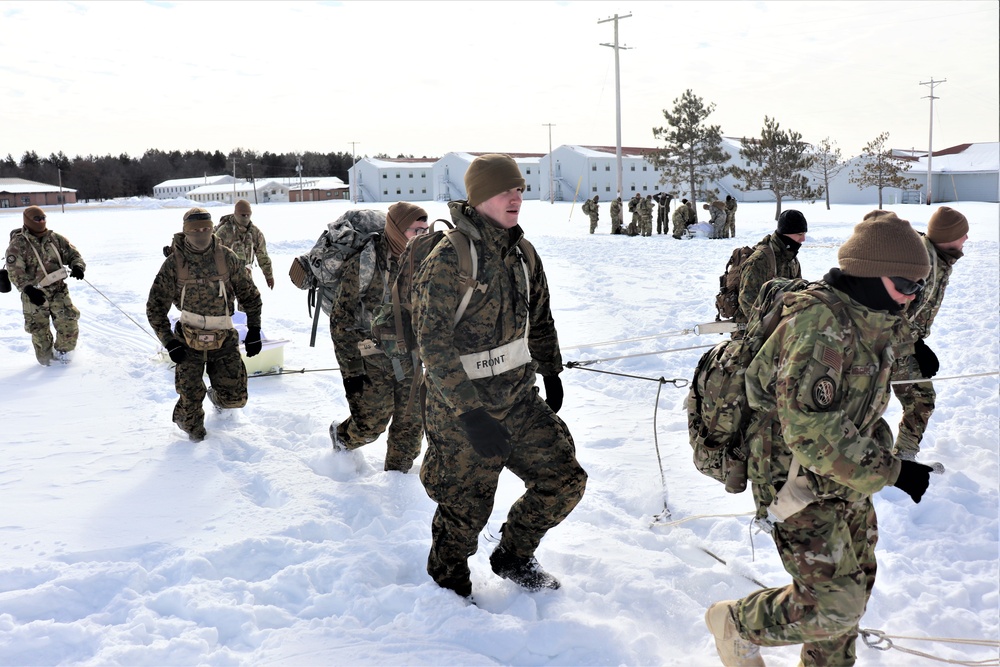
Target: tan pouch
367,348
203,340
59,274
299,274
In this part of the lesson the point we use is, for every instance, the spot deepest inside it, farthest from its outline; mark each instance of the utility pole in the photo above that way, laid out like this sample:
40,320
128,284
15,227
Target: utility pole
618,98
62,200
253,184
354,178
930,136
552,196
298,169
234,179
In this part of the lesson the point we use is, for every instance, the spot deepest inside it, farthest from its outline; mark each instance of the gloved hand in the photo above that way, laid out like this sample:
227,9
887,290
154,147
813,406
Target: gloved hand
270,281
252,342
926,359
177,350
76,272
553,391
167,250
487,435
913,479
35,295
355,384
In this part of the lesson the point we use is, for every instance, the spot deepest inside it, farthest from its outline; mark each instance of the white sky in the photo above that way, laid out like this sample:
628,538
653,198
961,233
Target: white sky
426,78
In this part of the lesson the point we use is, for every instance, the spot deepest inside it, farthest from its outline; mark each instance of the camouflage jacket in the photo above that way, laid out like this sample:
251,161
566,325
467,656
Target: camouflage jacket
203,299
248,244
646,207
22,263
681,215
731,205
920,313
717,214
351,314
498,314
616,210
757,270
819,393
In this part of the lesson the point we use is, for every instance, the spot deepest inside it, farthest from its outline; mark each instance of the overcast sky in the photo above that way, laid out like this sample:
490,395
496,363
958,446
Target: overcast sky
426,78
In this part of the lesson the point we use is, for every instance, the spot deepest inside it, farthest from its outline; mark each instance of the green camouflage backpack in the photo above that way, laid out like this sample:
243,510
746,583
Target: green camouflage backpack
717,407
727,301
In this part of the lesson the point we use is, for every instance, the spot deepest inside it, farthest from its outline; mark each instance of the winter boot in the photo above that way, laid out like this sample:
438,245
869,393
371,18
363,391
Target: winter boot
196,434
214,400
44,358
338,444
62,357
525,572
733,649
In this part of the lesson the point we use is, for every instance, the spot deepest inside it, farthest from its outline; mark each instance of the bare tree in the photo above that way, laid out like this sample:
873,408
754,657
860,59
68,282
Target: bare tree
879,168
826,164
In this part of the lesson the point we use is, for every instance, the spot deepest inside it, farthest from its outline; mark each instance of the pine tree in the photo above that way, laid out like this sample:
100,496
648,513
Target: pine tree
827,163
881,169
777,160
693,153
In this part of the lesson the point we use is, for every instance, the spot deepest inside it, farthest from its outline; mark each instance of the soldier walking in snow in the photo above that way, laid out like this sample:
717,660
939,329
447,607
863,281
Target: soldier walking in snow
483,412
202,278
819,449
591,209
37,258
239,234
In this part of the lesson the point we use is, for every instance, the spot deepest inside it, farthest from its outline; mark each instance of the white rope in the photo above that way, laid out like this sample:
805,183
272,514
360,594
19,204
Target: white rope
876,638
665,334
640,354
950,377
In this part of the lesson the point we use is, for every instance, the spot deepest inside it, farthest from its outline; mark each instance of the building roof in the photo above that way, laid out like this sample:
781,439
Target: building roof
325,183
20,186
386,163
185,182
244,186
963,158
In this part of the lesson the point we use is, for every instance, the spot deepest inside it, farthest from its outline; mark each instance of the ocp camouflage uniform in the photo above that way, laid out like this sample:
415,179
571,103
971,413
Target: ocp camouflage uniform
717,211
820,394
591,208
543,454
680,219
645,207
633,207
772,258
918,398
225,367
387,397
616,216
55,252
731,204
248,244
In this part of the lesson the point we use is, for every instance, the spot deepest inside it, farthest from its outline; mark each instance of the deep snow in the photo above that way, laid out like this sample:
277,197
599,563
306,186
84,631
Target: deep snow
125,544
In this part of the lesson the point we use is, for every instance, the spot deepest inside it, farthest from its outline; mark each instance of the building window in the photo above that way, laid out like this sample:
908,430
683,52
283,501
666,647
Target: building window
385,192
607,188
410,175
631,167
593,167
644,188
397,174
593,188
644,167
411,191
528,188
423,174
633,188
424,191
398,191
607,167
529,170
385,175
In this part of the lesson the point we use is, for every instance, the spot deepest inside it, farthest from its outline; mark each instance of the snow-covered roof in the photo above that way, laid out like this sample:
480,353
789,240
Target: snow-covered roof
242,186
389,163
964,158
611,151
19,186
185,182
325,183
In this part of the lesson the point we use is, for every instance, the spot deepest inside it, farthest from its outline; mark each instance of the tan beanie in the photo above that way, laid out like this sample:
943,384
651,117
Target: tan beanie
30,214
946,225
242,207
197,218
489,175
401,215
884,245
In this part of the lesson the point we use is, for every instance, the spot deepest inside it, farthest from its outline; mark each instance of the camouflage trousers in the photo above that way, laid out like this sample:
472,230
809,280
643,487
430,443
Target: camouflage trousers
729,229
64,316
646,225
371,411
680,228
917,400
463,484
226,372
593,223
829,549
616,225
661,222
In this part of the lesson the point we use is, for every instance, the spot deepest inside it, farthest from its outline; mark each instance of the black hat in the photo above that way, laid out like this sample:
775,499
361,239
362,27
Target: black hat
792,222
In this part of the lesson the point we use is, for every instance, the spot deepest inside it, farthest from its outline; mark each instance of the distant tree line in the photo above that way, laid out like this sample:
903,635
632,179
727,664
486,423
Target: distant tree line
107,177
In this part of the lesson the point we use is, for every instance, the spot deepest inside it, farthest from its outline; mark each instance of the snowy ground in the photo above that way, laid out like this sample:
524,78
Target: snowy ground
125,544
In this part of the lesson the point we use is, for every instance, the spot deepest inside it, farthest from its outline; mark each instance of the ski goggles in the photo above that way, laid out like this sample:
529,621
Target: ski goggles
907,286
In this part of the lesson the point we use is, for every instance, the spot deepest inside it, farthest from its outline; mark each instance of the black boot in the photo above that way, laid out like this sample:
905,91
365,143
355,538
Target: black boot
525,572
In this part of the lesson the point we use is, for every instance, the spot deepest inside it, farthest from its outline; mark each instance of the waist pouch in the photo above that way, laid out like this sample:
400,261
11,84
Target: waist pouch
205,332
59,274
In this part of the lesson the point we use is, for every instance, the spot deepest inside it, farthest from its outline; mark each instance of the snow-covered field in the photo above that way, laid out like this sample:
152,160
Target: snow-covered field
125,544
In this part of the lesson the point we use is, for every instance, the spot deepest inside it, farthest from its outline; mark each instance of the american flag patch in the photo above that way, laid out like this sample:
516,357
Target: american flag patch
832,359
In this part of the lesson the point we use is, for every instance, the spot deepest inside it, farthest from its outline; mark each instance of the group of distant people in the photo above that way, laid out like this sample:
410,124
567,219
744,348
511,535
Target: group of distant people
722,216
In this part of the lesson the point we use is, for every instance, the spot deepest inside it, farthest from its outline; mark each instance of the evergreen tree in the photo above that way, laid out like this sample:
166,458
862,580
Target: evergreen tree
693,153
826,164
879,168
777,160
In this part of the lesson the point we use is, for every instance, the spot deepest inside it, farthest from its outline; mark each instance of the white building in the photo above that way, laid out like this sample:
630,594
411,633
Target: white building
180,187
391,180
449,174
260,191
580,172
967,172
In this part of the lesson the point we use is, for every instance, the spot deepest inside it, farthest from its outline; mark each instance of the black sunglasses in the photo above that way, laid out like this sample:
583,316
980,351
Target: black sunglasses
199,216
907,286
38,218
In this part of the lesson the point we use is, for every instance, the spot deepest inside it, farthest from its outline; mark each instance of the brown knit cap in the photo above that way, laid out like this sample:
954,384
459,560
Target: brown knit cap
946,225
197,218
242,207
29,219
884,245
489,175
401,215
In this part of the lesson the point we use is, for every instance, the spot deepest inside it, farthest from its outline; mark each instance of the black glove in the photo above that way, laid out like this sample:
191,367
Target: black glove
76,272
913,479
252,341
355,384
926,359
35,295
488,436
553,391
177,350
167,250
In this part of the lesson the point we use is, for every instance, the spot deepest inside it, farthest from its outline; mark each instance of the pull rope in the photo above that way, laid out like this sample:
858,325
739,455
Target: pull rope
580,364
879,640
143,329
949,377
665,334
665,514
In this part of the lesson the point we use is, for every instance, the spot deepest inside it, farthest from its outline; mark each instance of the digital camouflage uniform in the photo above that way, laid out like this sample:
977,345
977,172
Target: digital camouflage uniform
646,207
680,220
731,205
820,394
918,398
543,454
387,397
591,208
225,367
616,216
22,265
248,244
761,266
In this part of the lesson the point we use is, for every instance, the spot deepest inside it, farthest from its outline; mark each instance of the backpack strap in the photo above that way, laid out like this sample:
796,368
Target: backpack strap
185,278
468,269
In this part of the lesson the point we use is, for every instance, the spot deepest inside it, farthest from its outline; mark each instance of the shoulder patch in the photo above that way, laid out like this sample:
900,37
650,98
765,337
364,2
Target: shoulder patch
11,259
830,358
822,393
